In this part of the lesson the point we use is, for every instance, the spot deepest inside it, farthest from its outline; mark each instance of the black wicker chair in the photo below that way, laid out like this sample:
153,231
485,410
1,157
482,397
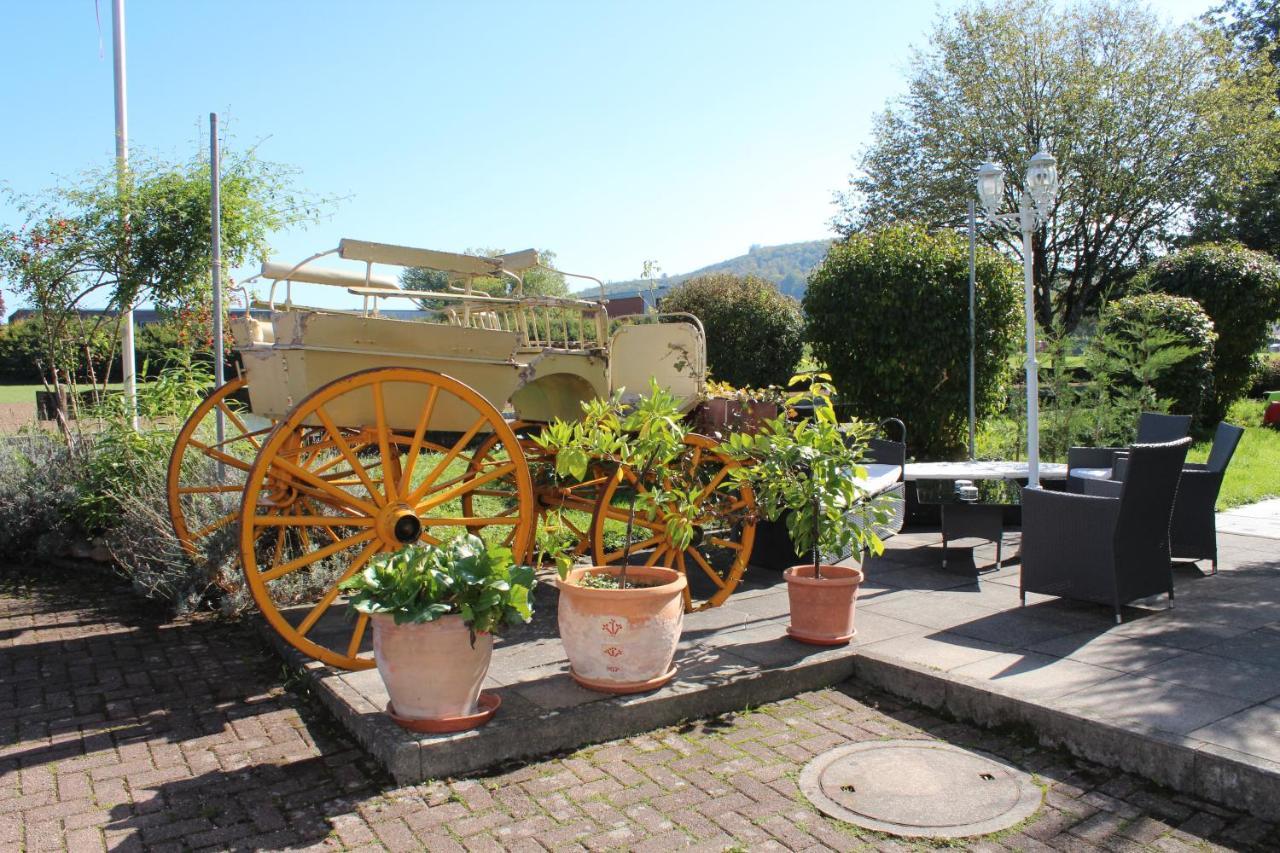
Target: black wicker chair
1089,462
1195,530
1111,544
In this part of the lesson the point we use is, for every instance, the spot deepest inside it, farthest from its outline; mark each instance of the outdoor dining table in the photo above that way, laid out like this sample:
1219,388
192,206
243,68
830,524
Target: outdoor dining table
980,513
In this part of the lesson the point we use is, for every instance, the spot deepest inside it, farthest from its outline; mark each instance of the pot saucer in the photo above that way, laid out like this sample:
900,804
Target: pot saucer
623,686
486,707
819,640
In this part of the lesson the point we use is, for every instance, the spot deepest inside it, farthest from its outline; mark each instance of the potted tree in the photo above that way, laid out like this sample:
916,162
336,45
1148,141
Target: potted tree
620,624
434,611
807,473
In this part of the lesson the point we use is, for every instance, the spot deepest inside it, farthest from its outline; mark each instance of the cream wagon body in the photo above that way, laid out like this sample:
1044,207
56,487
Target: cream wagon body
363,432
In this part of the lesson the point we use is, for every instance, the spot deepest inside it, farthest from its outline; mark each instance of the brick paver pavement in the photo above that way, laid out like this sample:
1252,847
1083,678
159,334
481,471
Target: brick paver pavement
120,729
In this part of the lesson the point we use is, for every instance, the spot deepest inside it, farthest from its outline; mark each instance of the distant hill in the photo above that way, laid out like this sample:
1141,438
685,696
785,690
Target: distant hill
787,266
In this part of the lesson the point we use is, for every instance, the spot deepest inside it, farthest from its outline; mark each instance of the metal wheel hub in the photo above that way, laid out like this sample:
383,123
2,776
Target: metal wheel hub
398,525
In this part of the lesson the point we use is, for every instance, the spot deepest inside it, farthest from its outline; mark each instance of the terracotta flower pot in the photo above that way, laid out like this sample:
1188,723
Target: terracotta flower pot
622,640
431,671
822,608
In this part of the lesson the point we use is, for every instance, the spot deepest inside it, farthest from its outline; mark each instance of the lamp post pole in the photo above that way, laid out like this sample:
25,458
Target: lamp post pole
1027,221
1035,203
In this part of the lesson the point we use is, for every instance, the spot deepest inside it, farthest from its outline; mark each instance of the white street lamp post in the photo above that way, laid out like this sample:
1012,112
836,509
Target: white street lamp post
1034,207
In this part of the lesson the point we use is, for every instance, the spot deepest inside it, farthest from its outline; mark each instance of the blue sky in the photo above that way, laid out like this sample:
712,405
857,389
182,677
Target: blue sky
611,133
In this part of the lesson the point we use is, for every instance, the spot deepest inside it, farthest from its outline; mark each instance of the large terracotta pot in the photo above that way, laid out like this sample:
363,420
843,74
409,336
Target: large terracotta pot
430,669
622,640
822,608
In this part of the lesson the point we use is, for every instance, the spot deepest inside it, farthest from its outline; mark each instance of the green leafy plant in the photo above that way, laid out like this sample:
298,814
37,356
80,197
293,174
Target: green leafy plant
807,471
887,312
1240,291
645,437
421,583
743,314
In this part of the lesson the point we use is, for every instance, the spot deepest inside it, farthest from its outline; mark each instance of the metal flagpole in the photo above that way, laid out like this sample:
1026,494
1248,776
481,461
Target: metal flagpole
127,356
973,335
215,207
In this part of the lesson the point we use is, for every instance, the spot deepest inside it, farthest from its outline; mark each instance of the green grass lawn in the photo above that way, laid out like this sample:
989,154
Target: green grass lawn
1254,472
27,393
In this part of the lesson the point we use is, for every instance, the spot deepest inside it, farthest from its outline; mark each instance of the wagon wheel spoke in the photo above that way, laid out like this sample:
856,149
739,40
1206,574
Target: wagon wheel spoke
220,523
614,556
384,446
245,432
460,489
319,554
416,495
219,456
704,565
350,455
209,490
357,635
415,445
329,597
330,492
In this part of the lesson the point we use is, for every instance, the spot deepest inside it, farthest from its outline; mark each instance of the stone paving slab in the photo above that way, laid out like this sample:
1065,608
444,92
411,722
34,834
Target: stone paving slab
123,730
1192,685
1257,519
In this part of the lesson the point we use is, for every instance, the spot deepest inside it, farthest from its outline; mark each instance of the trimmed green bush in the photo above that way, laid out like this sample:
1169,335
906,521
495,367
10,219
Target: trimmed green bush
888,313
755,335
1240,291
1188,384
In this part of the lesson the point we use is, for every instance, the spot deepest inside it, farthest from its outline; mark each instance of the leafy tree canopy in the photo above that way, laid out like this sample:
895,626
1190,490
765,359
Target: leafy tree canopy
140,236
1245,204
542,280
1133,110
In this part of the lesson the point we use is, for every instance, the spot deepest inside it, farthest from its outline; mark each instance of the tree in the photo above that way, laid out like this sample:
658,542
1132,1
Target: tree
542,280
1120,99
1240,291
1244,205
136,237
888,313
755,335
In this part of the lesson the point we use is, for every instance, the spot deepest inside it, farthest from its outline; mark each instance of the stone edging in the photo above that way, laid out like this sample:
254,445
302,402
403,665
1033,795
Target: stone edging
1180,762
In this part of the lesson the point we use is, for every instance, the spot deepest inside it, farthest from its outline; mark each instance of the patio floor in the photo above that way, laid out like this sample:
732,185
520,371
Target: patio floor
1188,697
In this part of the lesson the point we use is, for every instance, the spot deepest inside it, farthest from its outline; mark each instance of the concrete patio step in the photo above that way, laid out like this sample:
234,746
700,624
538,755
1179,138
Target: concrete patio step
1188,697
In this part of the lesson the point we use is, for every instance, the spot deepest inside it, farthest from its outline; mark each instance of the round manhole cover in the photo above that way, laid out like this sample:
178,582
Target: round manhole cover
919,788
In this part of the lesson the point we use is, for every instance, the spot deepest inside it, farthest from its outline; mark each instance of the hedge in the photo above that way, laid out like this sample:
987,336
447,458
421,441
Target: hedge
888,313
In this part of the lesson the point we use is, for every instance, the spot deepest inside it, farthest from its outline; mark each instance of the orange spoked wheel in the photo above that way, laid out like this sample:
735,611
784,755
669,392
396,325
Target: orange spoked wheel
724,531
206,476
574,500
324,495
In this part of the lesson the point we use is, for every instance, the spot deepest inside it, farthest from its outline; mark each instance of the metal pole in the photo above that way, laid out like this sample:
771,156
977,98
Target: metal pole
127,356
1027,219
973,335
215,208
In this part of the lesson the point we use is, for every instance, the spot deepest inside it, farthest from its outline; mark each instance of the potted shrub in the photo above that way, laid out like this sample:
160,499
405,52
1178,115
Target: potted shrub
728,409
620,624
805,472
434,611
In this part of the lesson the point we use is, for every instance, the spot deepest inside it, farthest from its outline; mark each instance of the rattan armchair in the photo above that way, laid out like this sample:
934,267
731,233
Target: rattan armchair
1093,463
1111,544
1195,530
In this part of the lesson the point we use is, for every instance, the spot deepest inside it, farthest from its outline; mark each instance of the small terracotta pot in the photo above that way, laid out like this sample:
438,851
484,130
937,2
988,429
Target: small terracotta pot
622,640
822,608
430,669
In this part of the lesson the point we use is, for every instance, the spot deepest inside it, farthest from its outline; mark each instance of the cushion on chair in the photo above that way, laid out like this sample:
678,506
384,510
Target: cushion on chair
1091,473
879,477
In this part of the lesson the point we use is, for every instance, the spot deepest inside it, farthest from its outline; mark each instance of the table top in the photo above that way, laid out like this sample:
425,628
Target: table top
991,492
982,470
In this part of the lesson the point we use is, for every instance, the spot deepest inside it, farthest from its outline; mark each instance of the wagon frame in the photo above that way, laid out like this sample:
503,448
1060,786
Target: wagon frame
362,433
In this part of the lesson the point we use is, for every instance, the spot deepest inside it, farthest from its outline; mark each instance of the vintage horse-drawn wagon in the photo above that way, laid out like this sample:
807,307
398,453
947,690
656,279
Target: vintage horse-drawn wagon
363,432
